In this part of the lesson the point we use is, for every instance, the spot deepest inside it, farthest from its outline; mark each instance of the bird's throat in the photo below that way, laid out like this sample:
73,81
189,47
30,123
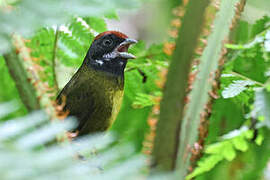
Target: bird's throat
114,67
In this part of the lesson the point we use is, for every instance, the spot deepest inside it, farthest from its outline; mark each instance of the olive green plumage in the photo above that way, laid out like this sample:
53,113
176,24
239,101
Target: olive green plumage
94,97
94,94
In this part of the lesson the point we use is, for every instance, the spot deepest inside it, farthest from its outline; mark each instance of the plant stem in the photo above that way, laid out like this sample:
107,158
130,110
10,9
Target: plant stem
19,75
54,58
172,104
202,86
204,119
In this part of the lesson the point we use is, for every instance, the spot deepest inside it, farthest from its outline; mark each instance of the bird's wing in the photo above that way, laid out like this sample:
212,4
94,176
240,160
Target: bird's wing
77,99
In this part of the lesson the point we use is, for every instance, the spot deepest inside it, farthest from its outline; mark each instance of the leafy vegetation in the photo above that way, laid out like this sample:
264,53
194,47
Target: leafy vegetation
213,124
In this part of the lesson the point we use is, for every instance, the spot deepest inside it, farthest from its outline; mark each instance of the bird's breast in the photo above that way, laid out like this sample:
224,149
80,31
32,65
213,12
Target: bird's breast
110,90
117,101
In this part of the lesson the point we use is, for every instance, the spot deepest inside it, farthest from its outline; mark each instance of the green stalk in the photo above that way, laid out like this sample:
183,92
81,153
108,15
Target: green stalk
172,104
18,73
202,86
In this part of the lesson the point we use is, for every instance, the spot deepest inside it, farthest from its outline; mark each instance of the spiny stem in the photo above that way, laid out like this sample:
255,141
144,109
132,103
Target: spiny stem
173,101
18,72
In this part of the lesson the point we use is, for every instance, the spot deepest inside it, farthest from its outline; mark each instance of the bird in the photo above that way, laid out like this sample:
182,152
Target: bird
94,93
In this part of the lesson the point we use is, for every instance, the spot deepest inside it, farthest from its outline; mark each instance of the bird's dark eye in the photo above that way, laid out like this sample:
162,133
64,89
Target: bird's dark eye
107,42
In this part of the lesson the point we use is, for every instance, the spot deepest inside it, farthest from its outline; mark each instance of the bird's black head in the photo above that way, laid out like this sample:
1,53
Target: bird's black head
108,52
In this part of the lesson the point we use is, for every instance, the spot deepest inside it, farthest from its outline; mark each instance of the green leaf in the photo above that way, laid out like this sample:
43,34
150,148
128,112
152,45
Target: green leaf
229,152
215,148
249,134
235,133
143,100
251,60
240,143
224,149
234,46
139,49
205,165
42,46
96,23
259,139
259,26
112,15
28,155
47,13
236,88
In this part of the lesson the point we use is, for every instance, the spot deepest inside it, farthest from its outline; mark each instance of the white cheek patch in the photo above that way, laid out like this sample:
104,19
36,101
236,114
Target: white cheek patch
99,62
111,55
121,63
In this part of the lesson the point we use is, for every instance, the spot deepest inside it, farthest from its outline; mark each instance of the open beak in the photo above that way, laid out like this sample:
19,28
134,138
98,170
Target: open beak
122,49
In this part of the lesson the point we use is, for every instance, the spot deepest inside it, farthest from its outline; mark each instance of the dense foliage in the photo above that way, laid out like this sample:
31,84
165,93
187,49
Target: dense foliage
231,93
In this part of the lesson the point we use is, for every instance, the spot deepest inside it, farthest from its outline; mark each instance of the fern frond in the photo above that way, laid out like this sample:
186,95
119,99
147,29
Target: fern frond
24,155
236,87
